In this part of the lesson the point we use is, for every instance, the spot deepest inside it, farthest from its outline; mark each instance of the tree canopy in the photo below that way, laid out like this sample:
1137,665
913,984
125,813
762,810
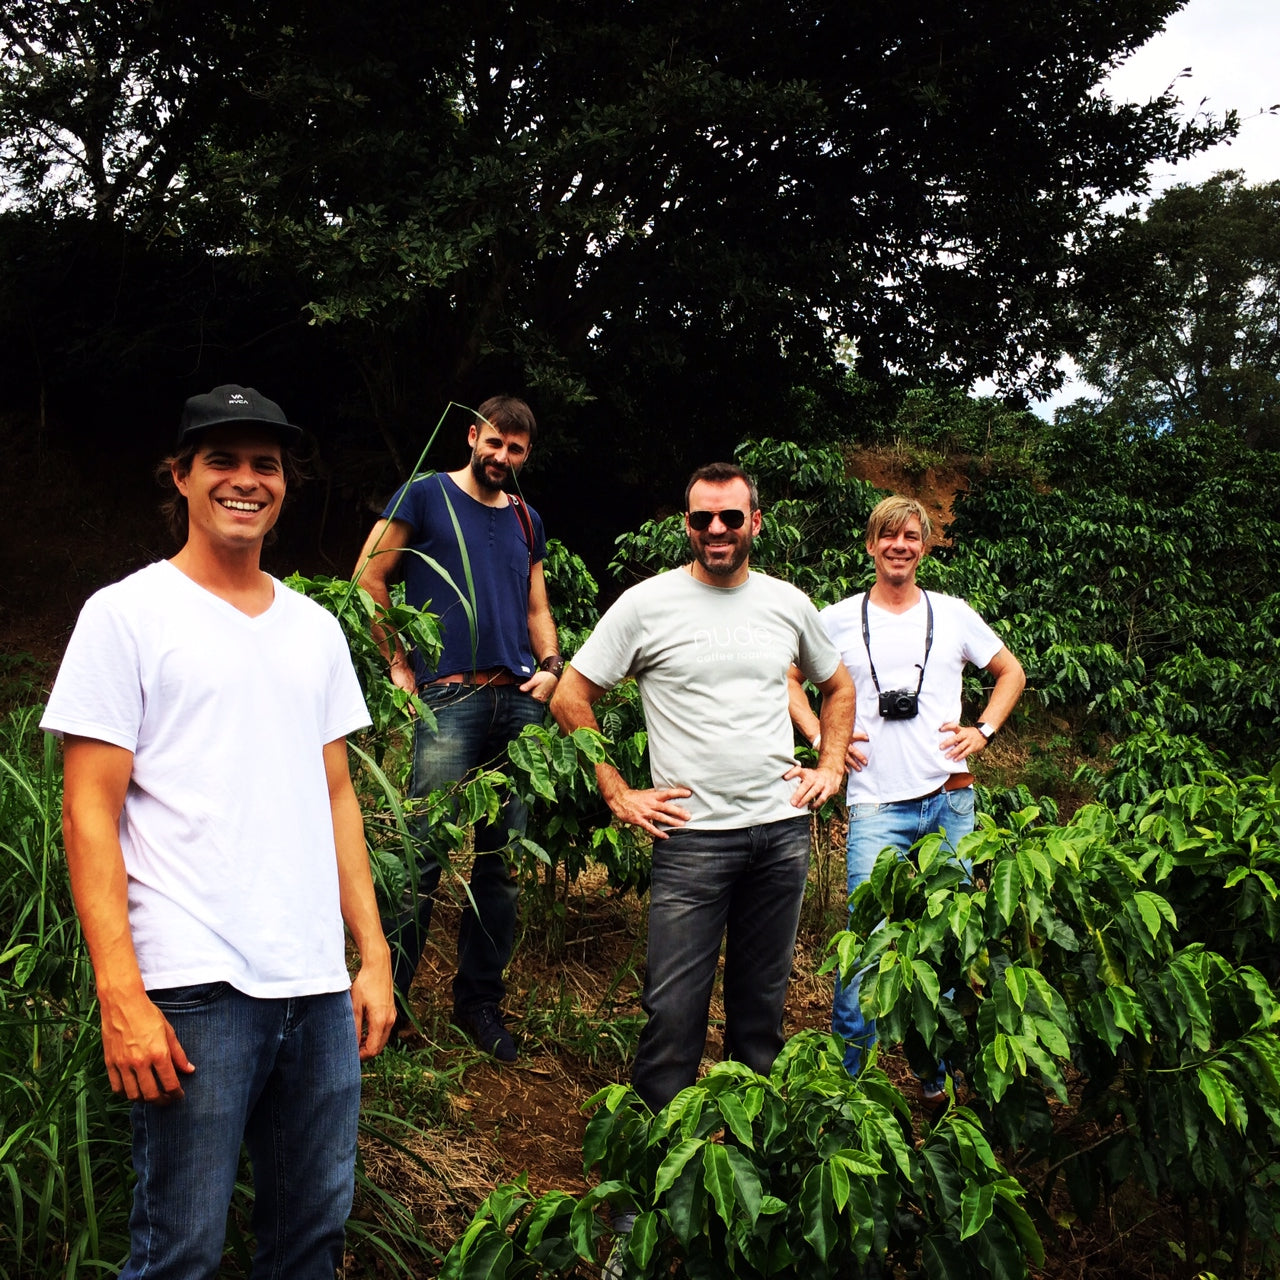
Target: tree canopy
1198,338
664,211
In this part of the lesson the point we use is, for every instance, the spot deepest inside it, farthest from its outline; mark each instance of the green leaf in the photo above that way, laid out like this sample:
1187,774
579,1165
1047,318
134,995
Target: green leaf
1016,981
736,1118
717,1178
1210,1083
1006,887
746,1182
858,1163
1150,913
958,915
525,754
644,1237
839,1184
976,1204
817,1211
673,1165
1111,966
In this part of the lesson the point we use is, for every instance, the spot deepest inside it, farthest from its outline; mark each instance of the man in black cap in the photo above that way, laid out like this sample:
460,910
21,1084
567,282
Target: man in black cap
215,847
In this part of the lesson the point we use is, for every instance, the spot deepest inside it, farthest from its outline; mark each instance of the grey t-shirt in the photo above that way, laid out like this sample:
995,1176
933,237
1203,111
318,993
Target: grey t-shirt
712,663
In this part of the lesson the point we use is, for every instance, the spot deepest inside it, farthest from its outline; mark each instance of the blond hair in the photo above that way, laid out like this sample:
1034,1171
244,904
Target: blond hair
889,516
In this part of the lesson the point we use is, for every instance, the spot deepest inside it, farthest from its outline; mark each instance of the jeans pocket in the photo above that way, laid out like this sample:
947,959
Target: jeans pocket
960,801
196,996
440,695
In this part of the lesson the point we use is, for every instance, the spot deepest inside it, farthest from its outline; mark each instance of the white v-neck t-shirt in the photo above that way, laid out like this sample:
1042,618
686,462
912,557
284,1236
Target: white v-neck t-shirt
226,828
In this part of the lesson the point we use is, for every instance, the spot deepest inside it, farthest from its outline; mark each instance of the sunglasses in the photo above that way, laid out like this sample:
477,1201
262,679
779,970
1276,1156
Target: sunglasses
732,518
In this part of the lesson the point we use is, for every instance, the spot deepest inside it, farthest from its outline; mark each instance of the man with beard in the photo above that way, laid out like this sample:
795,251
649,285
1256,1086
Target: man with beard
710,645
474,558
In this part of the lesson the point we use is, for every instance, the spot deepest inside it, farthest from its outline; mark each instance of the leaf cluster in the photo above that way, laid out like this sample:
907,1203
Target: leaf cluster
801,1173
1108,963
1125,588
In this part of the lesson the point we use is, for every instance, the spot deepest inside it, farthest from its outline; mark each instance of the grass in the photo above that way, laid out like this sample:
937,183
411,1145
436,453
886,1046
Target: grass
424,1163
64,1177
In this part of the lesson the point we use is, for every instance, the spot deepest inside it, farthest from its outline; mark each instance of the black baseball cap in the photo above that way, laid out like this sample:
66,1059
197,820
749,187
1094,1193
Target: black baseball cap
231,403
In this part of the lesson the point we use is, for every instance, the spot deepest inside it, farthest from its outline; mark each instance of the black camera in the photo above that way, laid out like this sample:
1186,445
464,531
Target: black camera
900,704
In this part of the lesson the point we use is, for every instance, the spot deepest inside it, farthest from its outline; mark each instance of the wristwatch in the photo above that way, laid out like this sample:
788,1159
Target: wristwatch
987,731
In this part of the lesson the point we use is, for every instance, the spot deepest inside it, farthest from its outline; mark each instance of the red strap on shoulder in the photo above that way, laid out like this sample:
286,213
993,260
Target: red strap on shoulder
526,525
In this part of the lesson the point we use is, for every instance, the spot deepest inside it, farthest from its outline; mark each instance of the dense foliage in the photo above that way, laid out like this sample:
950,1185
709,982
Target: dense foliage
802,1173
1198,338
1123,964
1139,583
598,208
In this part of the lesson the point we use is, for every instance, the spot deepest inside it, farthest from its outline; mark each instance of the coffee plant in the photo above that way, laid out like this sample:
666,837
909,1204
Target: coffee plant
803,1172
1123,965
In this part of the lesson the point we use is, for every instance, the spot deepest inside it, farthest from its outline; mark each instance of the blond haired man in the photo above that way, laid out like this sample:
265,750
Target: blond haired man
906,650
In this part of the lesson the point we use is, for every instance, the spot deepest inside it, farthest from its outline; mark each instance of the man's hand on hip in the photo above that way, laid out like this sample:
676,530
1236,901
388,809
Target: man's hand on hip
647,808
814,787
962,740
541,685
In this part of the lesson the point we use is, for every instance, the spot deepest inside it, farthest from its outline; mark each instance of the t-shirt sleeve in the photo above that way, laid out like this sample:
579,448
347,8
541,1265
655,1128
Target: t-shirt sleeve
609,653
818,656
404,505
98,690
539,536
346,711
981,644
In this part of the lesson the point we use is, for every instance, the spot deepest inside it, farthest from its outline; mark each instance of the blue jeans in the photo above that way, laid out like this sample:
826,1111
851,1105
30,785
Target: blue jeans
283,1076
474,724
872,827
747,883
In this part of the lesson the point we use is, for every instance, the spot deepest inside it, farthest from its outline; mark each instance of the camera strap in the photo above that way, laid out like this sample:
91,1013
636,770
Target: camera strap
928,640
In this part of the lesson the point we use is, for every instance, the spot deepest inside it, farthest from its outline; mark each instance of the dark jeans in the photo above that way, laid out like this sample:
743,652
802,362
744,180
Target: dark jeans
474,723
281,1075
748,883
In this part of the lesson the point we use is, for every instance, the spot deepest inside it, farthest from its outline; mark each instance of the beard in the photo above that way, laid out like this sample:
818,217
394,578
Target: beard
479,469
725,566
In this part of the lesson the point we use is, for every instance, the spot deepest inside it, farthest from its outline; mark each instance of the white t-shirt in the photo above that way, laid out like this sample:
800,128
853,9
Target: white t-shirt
712,664
904,757
226,828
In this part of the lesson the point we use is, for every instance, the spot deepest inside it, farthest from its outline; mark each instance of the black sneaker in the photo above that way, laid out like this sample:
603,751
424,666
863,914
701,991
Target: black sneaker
484,1025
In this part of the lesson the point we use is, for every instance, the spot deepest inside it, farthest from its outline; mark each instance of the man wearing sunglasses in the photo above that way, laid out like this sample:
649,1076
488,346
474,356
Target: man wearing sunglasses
908,761
710,645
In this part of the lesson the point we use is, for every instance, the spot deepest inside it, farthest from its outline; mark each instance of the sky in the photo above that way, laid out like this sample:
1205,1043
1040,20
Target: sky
1232,48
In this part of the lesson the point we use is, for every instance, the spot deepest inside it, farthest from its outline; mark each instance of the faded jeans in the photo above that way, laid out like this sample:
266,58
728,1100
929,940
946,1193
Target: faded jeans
474,724
281,1075
872,827
745,886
